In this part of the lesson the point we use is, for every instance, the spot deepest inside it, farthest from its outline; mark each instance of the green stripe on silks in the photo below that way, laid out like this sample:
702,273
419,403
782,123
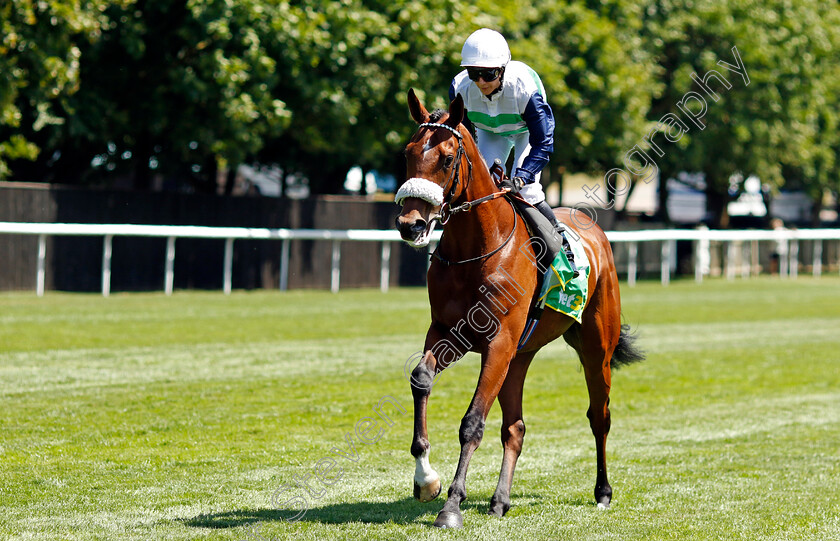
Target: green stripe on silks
494,121
562,292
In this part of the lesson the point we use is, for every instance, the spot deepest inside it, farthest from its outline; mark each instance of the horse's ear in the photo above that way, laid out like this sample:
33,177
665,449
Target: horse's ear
456,112
418,112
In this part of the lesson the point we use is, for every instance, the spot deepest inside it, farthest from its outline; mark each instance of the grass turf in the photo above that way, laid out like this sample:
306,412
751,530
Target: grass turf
149,417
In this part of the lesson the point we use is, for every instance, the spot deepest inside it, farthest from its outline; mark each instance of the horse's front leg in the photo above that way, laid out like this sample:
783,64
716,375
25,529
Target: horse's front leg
440,352
494,366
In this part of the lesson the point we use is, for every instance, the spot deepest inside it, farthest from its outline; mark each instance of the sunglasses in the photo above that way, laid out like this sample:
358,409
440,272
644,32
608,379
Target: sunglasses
488,74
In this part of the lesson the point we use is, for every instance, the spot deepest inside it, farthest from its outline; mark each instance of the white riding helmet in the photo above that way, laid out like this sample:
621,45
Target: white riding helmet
485,48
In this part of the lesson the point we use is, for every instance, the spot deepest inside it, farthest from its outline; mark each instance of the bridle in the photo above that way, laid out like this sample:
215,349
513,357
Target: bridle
453,178
446,210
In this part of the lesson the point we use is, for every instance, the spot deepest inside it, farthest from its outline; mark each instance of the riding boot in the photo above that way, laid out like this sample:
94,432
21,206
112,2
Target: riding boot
543,207
546,211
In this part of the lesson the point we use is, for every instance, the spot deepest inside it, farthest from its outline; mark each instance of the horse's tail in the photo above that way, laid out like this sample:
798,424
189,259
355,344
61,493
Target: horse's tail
626,352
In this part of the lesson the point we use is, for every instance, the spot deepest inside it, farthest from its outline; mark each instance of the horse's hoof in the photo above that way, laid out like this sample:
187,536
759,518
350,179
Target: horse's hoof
603,503
498,508
447,519
428,492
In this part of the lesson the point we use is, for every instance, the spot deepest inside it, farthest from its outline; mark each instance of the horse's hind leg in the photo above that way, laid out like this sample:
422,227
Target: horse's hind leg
513,430
598,383
595,341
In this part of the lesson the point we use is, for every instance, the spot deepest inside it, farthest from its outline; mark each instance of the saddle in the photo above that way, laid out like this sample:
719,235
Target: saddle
549,241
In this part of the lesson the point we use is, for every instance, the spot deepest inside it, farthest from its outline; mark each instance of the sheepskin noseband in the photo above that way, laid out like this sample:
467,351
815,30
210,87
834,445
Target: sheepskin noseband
421,189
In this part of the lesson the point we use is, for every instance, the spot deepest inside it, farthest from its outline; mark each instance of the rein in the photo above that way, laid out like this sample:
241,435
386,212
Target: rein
483,256
446,212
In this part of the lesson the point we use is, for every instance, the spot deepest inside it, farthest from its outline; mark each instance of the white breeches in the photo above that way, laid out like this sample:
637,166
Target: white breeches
494,147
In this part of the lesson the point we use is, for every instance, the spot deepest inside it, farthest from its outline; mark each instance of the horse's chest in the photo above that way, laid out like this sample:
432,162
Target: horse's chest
452,297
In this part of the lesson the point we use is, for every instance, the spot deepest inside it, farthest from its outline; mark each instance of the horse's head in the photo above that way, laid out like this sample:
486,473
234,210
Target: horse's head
433,167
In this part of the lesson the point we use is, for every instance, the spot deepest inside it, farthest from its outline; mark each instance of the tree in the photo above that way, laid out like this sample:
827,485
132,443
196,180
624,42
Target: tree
173,88
740,76
184,89
817,171
345,72
39,68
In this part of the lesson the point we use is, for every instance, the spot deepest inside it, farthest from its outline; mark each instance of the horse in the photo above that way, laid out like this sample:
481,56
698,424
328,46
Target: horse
481,281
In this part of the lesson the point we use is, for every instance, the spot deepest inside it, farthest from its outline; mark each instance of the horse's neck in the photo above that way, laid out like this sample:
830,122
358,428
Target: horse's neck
484,226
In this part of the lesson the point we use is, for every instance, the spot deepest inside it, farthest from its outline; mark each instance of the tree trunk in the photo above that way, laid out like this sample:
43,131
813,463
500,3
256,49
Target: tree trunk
767,199
816,209
283,176
716,204
230,180
561,173
621,214
142,155
662,214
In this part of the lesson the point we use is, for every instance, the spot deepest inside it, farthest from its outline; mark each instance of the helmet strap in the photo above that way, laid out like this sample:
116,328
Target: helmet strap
501,84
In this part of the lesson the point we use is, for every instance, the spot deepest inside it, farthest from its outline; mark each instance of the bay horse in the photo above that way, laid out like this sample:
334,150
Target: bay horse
481,281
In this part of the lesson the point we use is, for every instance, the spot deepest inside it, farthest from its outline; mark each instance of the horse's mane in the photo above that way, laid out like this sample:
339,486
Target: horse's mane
437,114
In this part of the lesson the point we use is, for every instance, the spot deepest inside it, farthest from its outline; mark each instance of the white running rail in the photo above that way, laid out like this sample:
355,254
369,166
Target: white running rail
787,242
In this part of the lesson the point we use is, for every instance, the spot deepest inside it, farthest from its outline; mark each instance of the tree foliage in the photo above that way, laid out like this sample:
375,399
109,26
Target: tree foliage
347,67
168,87
598,77
762,124
101,90
40,52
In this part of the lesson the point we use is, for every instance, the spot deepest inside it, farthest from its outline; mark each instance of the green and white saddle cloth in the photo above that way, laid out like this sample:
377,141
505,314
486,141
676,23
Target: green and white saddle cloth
561,291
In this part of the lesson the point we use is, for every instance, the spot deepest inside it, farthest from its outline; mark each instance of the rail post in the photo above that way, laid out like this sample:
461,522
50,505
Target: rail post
107,248
385,267
335,277
632,263
816,267
169,271
284,265
41,278
227,271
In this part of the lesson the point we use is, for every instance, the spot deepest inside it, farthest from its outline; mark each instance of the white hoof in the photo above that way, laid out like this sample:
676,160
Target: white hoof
428,492
426,480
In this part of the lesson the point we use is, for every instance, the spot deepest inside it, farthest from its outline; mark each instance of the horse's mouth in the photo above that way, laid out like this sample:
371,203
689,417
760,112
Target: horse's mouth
422,236
416,222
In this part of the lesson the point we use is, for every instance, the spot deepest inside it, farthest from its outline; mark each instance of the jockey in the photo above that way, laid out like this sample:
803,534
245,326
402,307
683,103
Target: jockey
505,100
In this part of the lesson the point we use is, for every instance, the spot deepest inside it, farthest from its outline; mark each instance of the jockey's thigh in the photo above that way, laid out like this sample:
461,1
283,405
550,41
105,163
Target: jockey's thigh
532,193
493,146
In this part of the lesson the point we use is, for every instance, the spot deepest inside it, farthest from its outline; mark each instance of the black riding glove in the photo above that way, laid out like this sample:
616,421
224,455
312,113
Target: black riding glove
513,185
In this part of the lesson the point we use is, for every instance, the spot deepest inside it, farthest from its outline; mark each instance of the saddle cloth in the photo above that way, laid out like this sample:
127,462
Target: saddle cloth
560,291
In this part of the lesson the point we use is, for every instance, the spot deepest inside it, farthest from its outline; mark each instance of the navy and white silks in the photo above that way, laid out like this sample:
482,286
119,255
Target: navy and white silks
516,117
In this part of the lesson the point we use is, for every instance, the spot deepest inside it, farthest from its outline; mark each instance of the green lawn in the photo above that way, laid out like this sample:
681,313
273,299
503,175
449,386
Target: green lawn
148,417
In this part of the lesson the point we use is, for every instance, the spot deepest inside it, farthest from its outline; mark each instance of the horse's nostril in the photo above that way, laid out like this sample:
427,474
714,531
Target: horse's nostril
418,226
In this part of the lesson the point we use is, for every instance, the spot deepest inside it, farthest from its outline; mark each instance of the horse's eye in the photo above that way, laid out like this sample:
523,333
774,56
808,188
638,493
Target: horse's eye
447,162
